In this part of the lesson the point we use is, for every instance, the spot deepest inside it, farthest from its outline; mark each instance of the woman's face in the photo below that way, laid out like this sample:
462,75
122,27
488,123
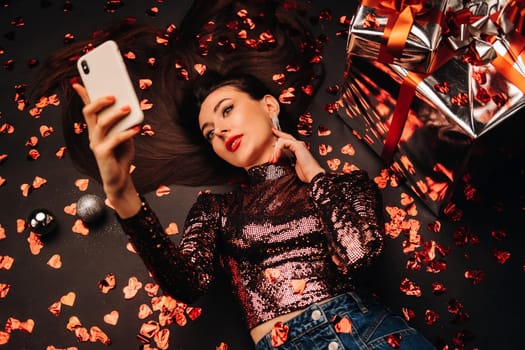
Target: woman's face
238,127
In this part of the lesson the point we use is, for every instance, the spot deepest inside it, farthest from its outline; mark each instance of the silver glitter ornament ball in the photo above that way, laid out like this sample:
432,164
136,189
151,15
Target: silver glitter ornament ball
90,208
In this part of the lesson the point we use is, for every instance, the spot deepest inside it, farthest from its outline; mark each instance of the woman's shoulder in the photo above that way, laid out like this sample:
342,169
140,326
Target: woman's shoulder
211,205
353,176
214,196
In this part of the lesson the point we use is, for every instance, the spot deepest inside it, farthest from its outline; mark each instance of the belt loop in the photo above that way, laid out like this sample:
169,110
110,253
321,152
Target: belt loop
359,302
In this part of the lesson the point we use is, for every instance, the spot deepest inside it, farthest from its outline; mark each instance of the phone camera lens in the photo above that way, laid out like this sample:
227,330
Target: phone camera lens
85,67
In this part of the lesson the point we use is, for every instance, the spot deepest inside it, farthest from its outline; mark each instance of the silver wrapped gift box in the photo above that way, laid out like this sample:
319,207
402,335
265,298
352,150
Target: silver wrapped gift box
409,33
451,109
424,112
406,33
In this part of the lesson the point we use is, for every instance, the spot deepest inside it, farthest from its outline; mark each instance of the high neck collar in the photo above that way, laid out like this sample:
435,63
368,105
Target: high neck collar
270,171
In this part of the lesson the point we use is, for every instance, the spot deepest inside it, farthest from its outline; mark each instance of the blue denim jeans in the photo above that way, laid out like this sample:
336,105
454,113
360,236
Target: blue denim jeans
348,322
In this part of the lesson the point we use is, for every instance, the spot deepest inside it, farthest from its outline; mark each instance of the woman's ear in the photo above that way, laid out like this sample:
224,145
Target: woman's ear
272,105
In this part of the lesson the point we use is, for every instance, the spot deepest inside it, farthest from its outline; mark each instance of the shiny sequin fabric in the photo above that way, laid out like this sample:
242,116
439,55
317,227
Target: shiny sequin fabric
284,244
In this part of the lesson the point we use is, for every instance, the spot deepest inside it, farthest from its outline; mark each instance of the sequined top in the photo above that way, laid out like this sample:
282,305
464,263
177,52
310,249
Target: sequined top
284,243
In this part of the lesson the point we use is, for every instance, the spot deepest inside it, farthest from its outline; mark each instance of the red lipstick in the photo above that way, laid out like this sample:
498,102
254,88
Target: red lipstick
232,143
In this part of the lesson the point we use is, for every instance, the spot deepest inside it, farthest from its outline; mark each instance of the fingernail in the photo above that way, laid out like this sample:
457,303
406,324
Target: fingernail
125,108
74,80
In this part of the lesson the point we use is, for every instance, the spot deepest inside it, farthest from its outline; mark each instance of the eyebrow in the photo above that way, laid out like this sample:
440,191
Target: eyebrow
204,126
219,103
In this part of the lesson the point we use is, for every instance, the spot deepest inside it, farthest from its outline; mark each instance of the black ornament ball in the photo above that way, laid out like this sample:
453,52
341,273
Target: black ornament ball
90,208
42,221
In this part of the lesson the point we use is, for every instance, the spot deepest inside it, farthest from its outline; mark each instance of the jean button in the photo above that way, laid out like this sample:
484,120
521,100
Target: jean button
333,346
316,315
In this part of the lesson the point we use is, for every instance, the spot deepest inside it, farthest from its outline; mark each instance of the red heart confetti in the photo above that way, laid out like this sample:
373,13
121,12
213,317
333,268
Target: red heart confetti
279,334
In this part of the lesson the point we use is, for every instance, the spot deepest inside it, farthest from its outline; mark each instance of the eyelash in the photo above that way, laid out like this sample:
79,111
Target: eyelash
225,111
209,134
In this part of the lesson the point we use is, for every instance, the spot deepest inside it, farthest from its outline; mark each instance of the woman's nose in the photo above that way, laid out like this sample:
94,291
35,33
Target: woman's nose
221,129
221,133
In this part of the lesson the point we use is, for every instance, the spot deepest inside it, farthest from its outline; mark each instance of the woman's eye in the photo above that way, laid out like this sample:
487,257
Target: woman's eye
227,110
209,134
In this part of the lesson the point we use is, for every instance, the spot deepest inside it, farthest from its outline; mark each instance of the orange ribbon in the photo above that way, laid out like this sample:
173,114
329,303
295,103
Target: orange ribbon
505,64
400,24
404,101
401,16
516,15
405,97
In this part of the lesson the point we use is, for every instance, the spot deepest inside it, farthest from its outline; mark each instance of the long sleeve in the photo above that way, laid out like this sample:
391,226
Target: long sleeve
351,209
183,271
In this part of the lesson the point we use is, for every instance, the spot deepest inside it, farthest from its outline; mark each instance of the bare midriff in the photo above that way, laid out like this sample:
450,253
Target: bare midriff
264,328
261,330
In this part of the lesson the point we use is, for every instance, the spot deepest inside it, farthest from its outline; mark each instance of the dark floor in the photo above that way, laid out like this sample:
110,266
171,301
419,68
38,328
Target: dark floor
454,311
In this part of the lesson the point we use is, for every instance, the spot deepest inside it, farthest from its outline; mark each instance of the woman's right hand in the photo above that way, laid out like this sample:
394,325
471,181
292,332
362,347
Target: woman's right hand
114,153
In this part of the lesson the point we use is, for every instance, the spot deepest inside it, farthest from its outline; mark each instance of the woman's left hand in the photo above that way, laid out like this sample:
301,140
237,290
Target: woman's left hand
306,165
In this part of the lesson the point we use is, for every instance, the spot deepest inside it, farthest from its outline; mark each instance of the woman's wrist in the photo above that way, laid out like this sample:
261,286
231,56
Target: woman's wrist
126,202
314,172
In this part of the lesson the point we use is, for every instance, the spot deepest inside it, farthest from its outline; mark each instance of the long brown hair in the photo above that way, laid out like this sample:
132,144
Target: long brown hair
259,37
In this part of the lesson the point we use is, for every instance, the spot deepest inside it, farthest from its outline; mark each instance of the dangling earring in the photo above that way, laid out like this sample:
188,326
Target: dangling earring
275,121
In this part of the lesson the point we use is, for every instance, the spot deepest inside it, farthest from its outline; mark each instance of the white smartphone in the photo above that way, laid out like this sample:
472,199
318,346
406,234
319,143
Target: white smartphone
104,73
